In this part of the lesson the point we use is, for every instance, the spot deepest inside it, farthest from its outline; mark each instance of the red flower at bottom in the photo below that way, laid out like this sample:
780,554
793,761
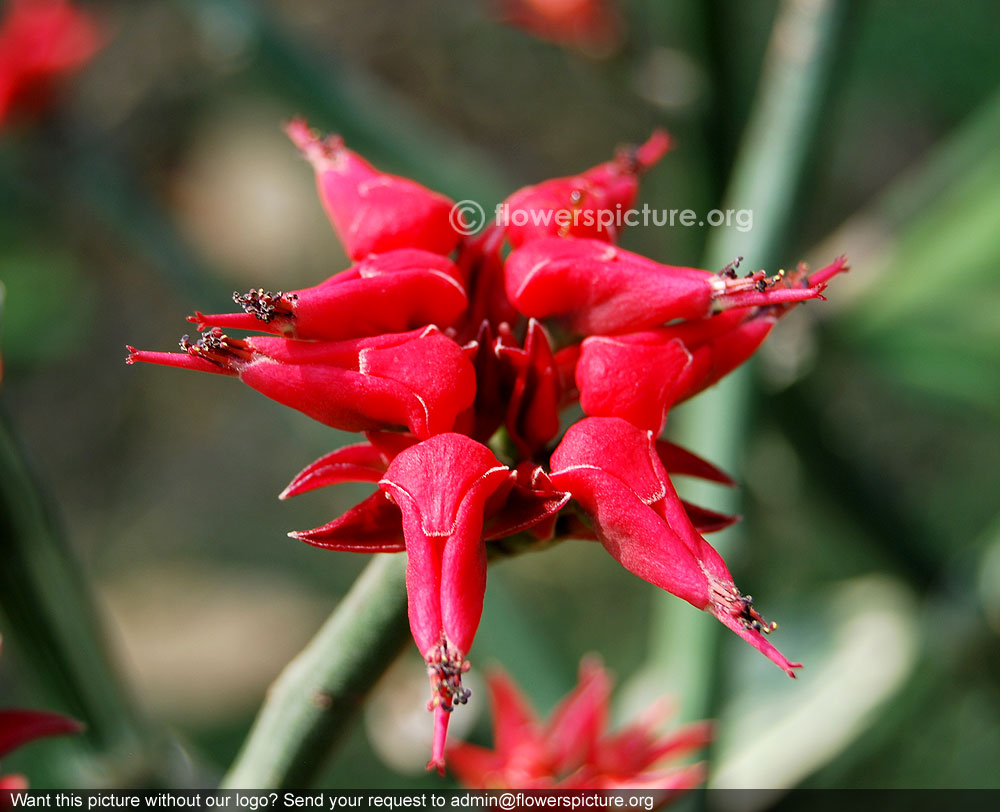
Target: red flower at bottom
18,727
572,749
616,475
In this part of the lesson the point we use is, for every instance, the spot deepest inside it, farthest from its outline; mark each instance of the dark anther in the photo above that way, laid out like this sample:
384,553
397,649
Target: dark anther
265,305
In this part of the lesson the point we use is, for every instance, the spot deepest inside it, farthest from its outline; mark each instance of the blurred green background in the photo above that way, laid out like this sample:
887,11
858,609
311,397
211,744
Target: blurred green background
870,457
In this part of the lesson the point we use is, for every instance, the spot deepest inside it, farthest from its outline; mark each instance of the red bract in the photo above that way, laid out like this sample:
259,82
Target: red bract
433,359
18,727
41,40
586,205
420,379
573,749
371,211
535,397
390,293
614,472
441,487
594,287
442,491
639,376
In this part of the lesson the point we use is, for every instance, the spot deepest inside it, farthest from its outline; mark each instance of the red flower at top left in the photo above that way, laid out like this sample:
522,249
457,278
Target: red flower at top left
40,41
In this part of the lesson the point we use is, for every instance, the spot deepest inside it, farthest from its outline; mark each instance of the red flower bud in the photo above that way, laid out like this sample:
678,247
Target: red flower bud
421,379
639,376
371,211
389,293
614,472
536,392
441,486
600,289
585,205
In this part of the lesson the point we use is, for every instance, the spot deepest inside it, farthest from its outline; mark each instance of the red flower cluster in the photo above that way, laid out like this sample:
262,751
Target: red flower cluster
41,40
430,356
19,727
573,749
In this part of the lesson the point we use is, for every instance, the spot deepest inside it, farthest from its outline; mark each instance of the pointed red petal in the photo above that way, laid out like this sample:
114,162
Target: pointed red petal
579,721
182,360
372,526
824,275
758,641
441,719
232,321
706,520
530,501
475,767
353,463
513,717
18,727
678,460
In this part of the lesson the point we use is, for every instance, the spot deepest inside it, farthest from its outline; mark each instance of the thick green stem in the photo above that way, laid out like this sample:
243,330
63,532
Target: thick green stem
309,707
768,168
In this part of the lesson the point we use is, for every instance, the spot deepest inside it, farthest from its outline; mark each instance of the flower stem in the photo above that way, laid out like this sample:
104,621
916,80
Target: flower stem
769,165
309,707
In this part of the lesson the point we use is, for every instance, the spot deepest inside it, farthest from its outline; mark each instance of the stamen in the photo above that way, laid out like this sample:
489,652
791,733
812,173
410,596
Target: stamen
215,346
726,283
264,305
728,598
729,271
445,666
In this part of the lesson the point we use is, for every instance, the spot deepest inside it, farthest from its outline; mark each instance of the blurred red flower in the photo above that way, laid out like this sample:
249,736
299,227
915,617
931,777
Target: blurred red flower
593,26
573,749
41,41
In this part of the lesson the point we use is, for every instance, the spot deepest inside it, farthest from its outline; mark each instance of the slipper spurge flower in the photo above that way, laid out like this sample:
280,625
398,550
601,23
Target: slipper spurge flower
40,42
458,360
573,748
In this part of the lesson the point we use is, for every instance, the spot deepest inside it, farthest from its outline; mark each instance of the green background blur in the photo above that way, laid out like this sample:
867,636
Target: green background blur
870,464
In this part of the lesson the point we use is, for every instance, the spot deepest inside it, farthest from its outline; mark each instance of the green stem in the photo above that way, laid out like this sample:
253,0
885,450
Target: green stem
768,169
54,622
310,706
